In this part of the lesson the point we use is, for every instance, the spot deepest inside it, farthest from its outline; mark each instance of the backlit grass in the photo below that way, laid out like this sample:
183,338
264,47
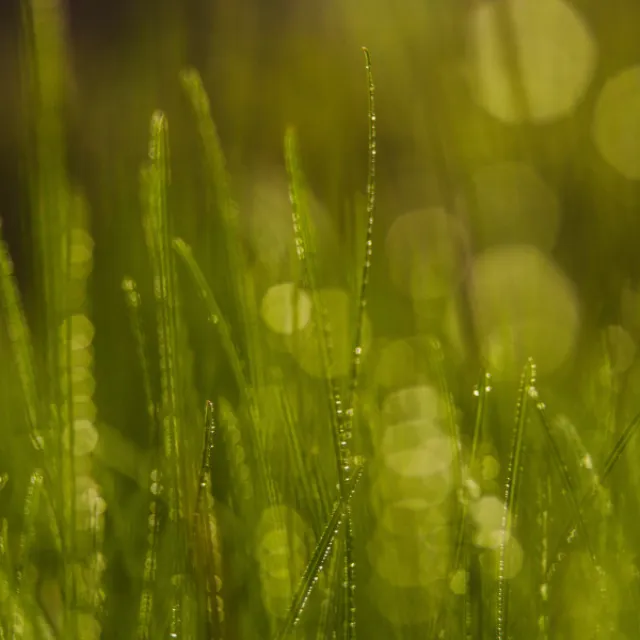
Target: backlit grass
269,481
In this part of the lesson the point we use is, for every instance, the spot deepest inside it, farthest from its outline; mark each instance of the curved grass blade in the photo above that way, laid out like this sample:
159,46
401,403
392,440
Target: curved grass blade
318,559
512,483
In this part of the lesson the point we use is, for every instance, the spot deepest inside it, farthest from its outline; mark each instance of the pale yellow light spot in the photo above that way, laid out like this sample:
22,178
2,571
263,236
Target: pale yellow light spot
616,123
281,554
523,306
416,459
85,437
430,489
278,518
411,514
488,513
513,558
280,311
555,58
412,403
490,468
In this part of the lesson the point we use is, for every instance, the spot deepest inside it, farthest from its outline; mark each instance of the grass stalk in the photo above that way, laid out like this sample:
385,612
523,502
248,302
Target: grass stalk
512,486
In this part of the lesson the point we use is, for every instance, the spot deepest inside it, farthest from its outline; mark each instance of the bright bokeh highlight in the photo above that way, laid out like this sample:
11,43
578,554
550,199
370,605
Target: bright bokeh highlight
555,56
523,306
286,308
616,122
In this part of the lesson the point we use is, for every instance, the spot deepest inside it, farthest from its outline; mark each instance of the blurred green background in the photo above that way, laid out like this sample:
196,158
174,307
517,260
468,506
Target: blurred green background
507,226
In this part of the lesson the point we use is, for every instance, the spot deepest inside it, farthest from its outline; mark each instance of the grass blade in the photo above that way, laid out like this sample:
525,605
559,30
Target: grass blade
566,478
527,384
156,222
214,312
569,535
133,301
318,559
207,558
20,338
305,249
219,181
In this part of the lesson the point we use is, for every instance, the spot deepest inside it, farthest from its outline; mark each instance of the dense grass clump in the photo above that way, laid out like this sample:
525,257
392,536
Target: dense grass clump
252,494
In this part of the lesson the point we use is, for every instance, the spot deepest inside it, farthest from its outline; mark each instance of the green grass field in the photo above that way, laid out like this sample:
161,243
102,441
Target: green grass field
222,418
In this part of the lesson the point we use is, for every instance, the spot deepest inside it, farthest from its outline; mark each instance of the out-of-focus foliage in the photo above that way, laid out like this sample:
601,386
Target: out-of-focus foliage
205,432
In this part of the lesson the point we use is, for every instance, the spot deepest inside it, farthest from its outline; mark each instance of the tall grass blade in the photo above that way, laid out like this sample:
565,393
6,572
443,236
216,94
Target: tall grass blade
349,629
366,267
157,227
527,386
44,67
44,72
